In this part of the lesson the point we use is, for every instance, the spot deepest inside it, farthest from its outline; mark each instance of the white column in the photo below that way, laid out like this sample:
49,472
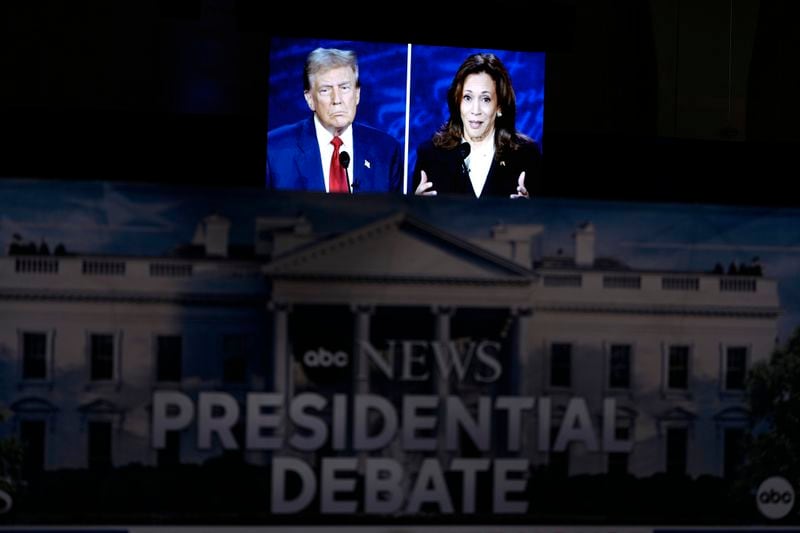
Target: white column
360,363
281,361
361,335
520,355
280,347
520,381
442,334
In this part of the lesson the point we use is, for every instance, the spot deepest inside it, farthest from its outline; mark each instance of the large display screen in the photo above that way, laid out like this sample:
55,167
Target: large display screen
403,93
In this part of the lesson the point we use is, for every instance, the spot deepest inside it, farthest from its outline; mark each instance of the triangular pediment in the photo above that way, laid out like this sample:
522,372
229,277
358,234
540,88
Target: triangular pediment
397,248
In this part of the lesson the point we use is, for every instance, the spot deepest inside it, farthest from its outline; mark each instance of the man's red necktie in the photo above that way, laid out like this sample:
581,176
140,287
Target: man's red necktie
338,177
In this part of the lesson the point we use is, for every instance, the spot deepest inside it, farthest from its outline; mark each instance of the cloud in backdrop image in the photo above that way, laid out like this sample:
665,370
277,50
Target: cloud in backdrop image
382,75
432,71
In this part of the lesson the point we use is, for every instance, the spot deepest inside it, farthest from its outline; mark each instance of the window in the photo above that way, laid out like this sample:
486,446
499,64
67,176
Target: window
101,357
168,358
618,461
735,365
678,367
560,364
733,454
234,357
32,436
34,356
677,450
99,449
619,366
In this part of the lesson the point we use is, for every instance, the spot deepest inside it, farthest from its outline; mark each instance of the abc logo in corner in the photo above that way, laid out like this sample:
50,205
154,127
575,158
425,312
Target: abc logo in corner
775,497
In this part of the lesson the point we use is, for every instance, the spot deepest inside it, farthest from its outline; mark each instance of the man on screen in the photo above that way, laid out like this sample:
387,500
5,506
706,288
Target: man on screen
328,151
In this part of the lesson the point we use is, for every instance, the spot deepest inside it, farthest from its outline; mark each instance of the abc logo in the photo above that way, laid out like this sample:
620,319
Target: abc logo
5,502
775,497
325,359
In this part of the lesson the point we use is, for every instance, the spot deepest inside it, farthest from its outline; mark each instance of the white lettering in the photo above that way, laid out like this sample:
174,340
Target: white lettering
172,411
430,487
332,484
487,354
504,484
258,421
458,416
317,429
577,426
383,490
218,414
281,466
469,469
385,417
515,405
413,422
610,442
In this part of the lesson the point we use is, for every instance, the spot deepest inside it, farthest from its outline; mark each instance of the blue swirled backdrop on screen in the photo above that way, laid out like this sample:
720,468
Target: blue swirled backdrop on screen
432,70
382,72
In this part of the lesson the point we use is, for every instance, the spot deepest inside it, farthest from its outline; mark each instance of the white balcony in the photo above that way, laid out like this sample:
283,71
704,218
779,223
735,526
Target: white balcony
30,274
670,291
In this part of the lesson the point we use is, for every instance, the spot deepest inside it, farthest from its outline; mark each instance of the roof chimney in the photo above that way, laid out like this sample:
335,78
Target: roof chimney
518,242
278,235
212,233
584,245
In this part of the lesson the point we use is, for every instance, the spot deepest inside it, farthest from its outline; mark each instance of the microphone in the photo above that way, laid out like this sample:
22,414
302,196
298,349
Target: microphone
344,160
464,150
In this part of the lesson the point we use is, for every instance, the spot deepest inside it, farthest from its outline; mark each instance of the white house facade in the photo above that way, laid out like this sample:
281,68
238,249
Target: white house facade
86,340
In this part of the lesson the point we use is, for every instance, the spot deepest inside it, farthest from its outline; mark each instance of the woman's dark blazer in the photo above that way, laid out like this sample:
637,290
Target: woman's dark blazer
448,173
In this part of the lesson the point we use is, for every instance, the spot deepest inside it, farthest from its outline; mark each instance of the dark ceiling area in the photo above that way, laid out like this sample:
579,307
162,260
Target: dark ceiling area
656,101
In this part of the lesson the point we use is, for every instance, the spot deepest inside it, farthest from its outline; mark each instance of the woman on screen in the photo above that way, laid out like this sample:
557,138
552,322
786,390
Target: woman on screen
479,151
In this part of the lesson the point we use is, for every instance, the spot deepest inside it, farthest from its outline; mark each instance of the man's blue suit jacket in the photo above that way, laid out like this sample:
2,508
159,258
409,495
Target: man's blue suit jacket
294,162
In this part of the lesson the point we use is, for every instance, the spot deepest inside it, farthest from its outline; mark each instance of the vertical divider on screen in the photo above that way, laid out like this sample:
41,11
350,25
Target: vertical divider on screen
408,118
